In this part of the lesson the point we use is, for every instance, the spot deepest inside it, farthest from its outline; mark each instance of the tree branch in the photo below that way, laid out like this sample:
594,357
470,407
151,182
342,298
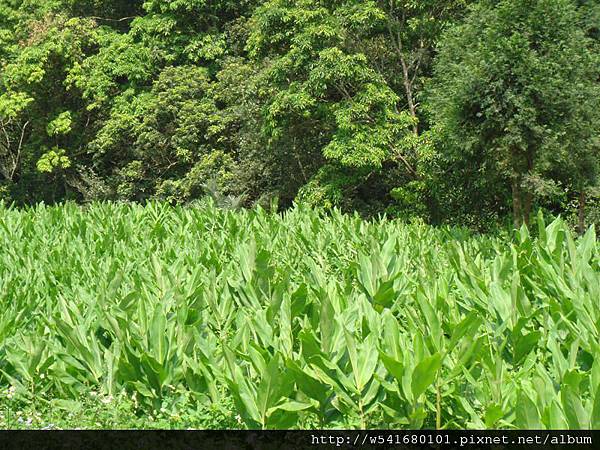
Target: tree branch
106,19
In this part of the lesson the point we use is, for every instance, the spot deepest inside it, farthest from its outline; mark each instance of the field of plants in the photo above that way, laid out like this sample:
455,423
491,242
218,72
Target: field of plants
132,316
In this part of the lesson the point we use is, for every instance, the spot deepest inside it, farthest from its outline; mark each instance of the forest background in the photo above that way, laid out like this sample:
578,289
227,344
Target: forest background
449,111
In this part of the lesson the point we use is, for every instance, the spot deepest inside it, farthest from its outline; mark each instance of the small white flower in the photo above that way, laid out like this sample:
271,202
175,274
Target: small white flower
11,392
107,400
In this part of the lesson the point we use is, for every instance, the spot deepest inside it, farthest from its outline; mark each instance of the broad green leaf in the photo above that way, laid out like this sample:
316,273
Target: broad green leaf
573,408
528,416
595,422
307,384
425,374
493,414
393,366
327,323
465,329
524,345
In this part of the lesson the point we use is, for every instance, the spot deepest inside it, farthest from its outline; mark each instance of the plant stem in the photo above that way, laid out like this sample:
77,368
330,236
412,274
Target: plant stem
438,409
363,424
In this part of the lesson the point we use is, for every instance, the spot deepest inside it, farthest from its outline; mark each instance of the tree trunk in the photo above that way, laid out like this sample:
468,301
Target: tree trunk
581,211
406,77
516,203
409,94
527,208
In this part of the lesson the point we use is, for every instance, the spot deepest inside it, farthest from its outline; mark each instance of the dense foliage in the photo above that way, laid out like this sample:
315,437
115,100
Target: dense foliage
517,92
205,317
448,110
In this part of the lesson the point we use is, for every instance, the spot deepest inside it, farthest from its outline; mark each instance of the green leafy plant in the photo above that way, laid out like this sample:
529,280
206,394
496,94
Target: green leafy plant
294,320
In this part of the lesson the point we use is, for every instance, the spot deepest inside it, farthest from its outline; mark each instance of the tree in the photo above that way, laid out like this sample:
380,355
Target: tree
317,101
13,131
411,31
151,89
41,114
515,87
327,106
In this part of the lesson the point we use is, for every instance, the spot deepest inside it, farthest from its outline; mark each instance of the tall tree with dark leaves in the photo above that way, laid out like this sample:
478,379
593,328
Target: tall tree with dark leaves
515,88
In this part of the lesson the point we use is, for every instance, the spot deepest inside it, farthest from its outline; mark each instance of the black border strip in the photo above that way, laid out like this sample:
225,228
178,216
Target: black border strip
315,439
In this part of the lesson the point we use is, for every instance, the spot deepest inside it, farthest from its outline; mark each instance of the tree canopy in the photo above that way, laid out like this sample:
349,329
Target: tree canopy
515,88
463,111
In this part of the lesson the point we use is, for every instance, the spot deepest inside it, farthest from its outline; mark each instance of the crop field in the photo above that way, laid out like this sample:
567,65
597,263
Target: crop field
159,316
